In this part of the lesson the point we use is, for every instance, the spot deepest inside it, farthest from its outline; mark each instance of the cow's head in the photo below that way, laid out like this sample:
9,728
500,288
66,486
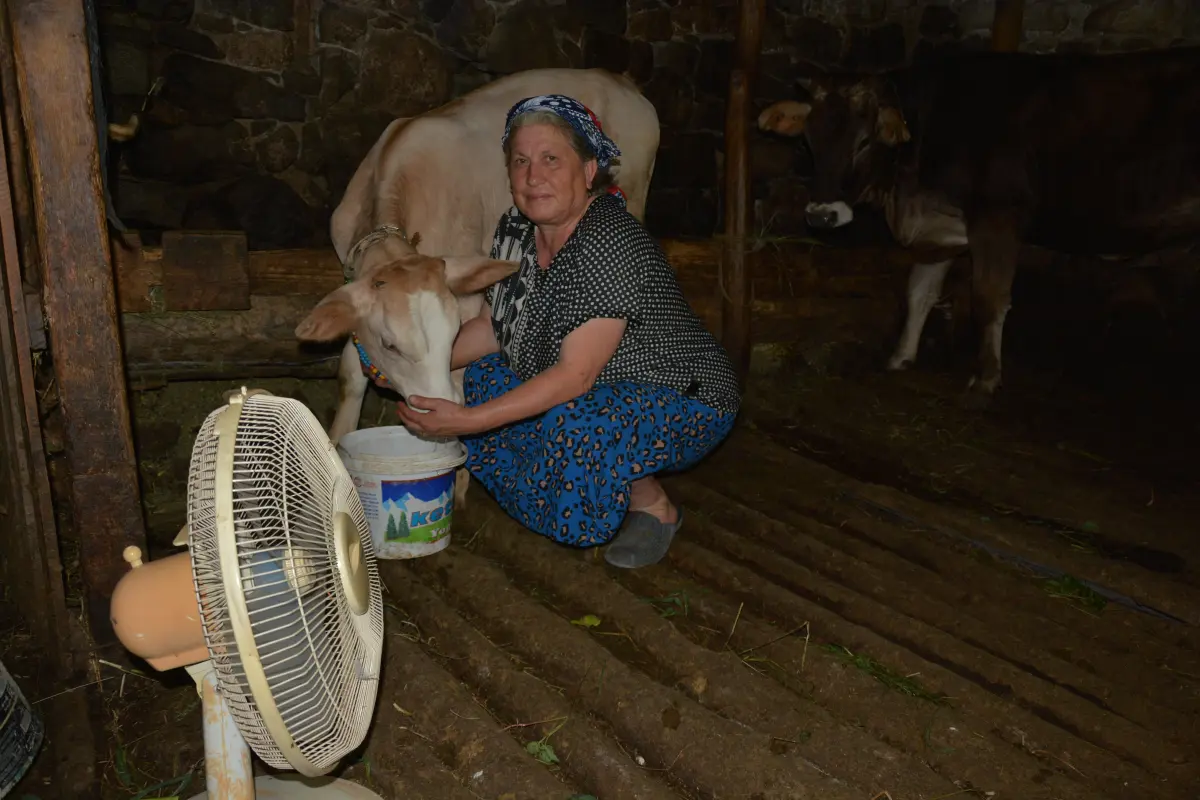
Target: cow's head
405,313
852,128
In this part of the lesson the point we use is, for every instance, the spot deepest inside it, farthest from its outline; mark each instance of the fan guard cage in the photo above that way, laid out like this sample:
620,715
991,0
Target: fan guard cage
273,516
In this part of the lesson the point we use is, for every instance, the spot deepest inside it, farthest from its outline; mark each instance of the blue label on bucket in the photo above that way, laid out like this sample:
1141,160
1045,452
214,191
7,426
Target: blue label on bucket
20,733
418,511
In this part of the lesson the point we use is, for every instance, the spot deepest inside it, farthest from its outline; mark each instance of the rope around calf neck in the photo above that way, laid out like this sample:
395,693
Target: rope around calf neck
372,237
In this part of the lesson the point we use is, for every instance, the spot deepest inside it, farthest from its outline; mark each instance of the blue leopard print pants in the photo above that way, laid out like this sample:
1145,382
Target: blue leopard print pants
566,473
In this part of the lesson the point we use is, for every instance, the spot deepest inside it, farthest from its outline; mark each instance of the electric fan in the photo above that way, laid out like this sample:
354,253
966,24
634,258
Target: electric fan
276,609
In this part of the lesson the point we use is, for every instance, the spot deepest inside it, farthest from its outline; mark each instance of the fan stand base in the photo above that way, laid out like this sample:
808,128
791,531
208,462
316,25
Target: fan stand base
297,787
228,766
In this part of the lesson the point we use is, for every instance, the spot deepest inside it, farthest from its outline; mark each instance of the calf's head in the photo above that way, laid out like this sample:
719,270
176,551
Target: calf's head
405,313
852,129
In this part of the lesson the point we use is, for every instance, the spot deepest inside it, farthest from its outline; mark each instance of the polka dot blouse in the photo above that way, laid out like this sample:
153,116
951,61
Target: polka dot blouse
609,267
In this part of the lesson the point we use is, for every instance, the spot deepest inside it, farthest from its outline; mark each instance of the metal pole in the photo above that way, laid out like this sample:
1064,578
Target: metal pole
228,771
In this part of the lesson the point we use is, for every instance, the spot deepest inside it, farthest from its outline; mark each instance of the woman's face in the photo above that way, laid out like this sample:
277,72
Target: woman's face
549,180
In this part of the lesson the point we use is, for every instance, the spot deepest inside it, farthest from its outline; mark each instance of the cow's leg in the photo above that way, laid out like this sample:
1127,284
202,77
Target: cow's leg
462,482
638,197
994,247
462,478
352,387
924,288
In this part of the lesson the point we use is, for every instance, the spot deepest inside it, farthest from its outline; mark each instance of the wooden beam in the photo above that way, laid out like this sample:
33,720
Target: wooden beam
163,345
306,272
1007,22
751,18
31,566
313,272
735,277
735,274
205,270
260,343
226,345
54,77
18,165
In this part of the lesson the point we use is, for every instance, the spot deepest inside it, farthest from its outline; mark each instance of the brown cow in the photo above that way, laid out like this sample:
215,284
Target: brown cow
1095,155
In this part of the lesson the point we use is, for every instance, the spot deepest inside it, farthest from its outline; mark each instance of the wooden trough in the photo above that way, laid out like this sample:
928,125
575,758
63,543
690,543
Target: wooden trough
203,307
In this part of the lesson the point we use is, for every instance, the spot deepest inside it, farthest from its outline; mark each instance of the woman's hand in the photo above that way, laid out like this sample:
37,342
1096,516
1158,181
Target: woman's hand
582,357
439,418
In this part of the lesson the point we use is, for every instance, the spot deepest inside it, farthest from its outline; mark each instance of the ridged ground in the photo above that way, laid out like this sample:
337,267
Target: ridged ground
813,634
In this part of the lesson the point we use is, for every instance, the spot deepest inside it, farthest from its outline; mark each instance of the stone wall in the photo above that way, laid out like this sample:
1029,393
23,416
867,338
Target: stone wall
267,106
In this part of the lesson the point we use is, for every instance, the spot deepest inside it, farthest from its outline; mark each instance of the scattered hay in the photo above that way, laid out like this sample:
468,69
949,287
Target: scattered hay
904,684
669,605
1077,593
137,727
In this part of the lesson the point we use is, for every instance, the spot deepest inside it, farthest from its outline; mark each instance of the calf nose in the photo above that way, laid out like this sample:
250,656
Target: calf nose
820,217
828,215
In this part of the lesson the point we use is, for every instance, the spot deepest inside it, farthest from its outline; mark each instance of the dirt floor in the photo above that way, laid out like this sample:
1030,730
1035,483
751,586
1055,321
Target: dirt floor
865,601
877,591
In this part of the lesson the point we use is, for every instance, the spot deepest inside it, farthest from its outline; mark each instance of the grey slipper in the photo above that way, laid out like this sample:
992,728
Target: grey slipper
643,540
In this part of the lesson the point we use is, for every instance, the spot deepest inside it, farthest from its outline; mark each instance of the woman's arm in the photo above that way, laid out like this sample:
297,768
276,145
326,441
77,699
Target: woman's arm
584,353
476,339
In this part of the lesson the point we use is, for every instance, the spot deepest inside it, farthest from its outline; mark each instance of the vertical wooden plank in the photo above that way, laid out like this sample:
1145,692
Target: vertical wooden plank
735,277
31,566
18,166
138,278
80,299
1007,23
751,18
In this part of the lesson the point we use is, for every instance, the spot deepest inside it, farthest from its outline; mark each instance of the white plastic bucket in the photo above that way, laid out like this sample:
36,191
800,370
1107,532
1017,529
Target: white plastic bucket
406,485
21,733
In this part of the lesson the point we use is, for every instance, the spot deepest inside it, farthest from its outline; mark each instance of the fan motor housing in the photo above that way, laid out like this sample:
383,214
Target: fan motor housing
155,614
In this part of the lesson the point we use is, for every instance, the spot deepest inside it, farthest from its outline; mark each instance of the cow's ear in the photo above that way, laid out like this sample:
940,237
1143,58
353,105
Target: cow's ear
813,88
470,274
787,117
891,126
335,316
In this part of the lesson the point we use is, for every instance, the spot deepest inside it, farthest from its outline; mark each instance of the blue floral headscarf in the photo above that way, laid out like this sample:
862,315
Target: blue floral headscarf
576,114
582,121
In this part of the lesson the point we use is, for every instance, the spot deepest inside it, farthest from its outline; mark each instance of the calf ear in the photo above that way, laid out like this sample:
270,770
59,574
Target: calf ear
335,316
470,274
891,126
813,88
787,117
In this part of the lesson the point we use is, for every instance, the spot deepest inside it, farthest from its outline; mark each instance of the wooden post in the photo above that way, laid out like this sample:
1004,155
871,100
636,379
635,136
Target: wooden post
1007,23
55,81
735,280
18,168
31,569
735,277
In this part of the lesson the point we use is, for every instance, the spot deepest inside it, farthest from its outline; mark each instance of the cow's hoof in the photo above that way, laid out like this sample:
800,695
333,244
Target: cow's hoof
899,364
976,401
978,396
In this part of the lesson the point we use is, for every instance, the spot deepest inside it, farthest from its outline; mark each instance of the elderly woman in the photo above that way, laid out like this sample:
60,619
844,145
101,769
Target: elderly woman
587,372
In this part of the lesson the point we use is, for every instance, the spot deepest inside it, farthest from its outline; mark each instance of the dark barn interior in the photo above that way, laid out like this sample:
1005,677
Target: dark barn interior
883,592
